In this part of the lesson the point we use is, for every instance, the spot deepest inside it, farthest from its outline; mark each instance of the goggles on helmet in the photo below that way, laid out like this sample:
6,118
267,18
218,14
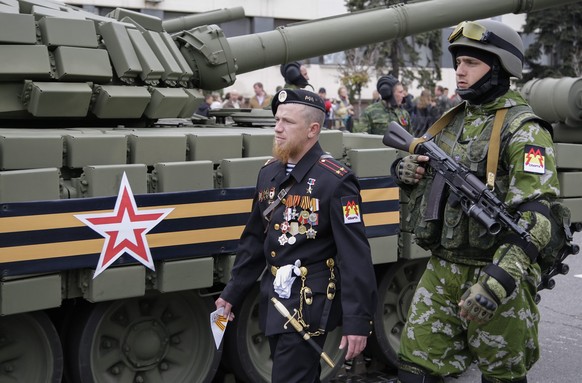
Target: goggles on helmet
476,32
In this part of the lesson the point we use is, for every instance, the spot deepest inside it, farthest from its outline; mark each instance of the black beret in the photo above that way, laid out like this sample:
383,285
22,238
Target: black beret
297,96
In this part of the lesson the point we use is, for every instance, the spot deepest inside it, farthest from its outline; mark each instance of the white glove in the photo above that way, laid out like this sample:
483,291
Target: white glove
284,279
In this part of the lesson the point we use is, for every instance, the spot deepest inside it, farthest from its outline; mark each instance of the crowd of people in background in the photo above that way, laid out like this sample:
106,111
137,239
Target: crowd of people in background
397,104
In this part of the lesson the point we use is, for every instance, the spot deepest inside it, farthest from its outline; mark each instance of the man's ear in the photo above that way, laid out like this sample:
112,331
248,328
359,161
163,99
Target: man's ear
314,130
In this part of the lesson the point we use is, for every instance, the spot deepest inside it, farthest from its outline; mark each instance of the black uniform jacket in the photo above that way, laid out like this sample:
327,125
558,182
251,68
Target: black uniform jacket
319,218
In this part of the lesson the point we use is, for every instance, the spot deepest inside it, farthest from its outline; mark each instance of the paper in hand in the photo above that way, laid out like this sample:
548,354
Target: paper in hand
218,324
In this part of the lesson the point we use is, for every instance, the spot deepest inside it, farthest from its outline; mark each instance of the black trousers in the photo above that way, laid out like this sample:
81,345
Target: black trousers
294,360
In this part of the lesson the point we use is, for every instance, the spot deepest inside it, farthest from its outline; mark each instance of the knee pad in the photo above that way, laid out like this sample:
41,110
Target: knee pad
495,380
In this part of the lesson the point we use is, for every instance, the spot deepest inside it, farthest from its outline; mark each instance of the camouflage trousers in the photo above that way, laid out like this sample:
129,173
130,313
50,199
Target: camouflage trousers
438,340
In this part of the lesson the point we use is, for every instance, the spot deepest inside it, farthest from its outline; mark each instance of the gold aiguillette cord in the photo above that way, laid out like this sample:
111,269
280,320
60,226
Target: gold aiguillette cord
297,326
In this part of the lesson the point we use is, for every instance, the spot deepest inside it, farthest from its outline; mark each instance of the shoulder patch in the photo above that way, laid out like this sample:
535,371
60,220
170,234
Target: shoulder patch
333,166
534,159
351,209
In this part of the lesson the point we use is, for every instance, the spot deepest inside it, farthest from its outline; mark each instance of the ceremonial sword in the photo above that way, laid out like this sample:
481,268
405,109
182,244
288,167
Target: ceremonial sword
297,326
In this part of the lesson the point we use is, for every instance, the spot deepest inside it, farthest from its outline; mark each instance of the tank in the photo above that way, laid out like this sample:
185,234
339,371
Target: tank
120,210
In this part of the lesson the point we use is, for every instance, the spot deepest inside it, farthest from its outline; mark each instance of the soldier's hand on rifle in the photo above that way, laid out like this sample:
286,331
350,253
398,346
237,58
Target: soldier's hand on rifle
410,169
478,304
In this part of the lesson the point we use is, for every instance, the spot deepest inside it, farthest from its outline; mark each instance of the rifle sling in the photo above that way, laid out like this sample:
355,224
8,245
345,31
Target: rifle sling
494,144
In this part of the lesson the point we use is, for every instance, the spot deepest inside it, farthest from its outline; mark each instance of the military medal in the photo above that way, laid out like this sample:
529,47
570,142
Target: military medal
294,228
310,182
272,194
292,240
313,218
314,204
310,233
283,239
284,227
303,217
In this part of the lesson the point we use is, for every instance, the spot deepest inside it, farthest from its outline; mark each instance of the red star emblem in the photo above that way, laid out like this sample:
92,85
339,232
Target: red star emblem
124,229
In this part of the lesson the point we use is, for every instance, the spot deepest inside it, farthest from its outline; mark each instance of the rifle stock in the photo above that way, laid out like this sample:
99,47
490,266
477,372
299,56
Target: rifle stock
397,137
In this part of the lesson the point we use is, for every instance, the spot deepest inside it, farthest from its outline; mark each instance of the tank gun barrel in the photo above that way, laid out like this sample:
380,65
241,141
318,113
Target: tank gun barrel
242,54
205,18
315,38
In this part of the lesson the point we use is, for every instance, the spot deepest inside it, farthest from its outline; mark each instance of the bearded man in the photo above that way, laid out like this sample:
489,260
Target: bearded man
306,229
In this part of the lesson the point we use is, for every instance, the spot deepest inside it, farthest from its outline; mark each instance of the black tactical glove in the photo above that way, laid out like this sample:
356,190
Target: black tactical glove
479,303
406,169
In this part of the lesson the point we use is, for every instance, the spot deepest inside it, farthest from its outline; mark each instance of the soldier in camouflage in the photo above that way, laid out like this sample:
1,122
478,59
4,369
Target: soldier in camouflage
475,301
378,115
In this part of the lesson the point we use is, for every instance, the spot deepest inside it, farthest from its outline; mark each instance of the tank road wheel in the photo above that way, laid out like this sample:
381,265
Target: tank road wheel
395,291
163,338
30,349
247,348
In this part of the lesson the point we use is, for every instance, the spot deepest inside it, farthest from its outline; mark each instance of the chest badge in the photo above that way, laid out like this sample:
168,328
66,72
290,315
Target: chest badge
310,182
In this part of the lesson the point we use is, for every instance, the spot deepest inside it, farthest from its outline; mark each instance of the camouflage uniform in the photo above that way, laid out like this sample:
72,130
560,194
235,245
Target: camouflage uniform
378,115
435,337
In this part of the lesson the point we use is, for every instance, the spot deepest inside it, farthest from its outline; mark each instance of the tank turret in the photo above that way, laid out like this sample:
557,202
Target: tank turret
62,62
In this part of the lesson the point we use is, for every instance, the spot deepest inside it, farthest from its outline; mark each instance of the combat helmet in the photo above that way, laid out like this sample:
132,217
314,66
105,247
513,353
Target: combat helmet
490,36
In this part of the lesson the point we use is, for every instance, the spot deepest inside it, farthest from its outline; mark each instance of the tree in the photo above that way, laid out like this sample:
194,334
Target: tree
401,57
557,35
355,71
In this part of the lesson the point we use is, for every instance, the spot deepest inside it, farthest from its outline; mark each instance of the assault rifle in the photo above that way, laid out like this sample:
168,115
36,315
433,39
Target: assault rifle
469,191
